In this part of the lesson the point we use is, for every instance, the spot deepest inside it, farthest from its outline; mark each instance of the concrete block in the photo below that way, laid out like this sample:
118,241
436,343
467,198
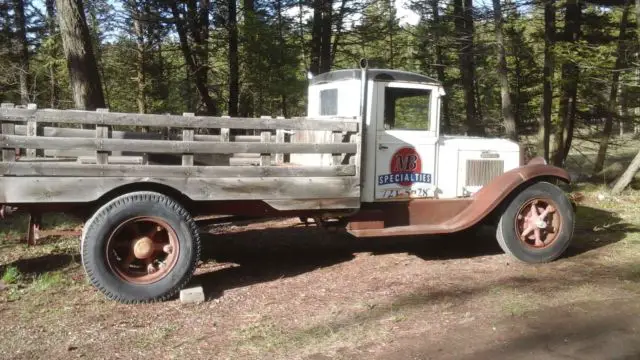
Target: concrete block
192,295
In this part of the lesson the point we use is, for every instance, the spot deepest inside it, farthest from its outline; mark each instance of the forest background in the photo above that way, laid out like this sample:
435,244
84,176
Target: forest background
545,73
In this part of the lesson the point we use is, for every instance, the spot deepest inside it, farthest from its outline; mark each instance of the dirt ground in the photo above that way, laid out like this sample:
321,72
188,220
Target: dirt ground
279,290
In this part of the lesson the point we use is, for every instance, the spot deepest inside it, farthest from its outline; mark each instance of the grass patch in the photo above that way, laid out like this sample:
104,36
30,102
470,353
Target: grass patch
269,337
11,275
47,281
513,302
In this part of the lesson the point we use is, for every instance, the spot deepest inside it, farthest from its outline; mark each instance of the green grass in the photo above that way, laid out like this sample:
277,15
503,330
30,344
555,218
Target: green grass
11,275
46,281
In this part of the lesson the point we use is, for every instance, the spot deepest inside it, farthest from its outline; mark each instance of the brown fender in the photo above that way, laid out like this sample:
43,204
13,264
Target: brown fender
464,213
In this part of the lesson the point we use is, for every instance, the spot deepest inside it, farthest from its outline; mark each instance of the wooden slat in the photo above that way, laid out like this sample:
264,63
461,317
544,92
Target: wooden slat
8,151
128,119
315,204
265,158
279,140
174,147
85,189
87,133
187,135
102,132
336,158
33,130
236,138
167,171
121,160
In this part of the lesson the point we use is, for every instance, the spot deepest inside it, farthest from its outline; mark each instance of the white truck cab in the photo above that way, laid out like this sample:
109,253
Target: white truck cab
405,154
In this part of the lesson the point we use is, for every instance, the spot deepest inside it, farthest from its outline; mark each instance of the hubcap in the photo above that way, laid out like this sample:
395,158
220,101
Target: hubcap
142,250
538,223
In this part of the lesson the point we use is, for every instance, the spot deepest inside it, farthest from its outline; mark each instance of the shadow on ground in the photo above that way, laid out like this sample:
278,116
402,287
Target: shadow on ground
610,331
42,264
271,253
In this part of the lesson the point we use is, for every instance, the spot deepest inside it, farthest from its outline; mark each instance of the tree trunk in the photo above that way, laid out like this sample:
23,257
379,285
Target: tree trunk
549,68
316,37
325,48
195,68
569,93
440,67
464,31
613,93
627,176
53,82
22,50
507,108
136,15
338,32
636,127
234,87
76,41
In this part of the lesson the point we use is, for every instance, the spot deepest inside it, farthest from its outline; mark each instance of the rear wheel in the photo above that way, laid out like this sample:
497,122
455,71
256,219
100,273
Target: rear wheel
140,247
537,226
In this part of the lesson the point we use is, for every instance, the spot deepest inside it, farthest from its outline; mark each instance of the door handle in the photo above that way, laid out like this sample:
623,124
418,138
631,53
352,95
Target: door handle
382,147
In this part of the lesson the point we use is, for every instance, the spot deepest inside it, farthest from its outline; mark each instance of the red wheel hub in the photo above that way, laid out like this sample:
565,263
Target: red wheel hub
142,250
538,223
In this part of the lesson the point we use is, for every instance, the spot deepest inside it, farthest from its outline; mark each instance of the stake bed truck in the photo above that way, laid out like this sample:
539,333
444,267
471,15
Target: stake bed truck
369,158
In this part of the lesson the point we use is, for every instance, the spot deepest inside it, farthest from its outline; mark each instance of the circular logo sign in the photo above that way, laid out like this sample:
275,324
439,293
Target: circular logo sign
404,162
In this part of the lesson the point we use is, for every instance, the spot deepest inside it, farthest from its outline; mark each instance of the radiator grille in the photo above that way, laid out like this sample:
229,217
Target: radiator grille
481,172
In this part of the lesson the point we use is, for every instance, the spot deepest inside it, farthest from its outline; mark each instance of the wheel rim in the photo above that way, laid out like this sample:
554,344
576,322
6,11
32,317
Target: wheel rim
538,223
142,250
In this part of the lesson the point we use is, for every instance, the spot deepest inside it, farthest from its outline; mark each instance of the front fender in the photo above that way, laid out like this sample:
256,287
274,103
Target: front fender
500,188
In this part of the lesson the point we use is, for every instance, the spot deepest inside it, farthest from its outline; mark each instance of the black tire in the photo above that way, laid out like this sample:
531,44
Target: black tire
510,241
120,210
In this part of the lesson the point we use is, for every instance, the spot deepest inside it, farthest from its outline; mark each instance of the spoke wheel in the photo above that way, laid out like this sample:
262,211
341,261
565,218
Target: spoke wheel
538,223
142,250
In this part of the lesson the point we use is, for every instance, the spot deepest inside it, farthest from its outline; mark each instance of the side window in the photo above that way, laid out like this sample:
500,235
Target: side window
407,109
329,102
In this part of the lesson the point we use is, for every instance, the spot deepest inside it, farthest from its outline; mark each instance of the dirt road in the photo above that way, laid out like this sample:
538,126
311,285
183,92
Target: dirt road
278,290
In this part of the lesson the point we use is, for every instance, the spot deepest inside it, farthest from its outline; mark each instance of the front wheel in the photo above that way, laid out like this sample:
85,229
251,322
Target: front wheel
140,247
537,226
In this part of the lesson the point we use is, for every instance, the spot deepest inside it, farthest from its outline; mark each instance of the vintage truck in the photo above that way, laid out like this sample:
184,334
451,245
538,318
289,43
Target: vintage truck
369,159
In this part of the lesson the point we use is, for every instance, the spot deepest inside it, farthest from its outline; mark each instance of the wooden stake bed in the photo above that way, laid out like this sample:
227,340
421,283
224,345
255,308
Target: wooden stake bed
195,155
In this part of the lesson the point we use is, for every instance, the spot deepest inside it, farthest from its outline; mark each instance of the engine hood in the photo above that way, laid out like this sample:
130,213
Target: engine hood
479,143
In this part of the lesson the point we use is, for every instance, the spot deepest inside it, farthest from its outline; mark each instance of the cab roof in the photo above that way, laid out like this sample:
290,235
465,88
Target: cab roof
375,74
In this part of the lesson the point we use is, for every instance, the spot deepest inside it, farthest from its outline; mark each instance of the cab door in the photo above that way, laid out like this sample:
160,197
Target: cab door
406,141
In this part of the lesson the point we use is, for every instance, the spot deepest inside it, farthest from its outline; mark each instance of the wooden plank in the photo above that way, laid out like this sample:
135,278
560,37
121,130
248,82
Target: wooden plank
8,152
169,146
87,133
237,138
70,169
68,153
32,129
336,158
225,135
130,119
14,190
121,160
279,140
265,158
187,135
102,132
315,204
